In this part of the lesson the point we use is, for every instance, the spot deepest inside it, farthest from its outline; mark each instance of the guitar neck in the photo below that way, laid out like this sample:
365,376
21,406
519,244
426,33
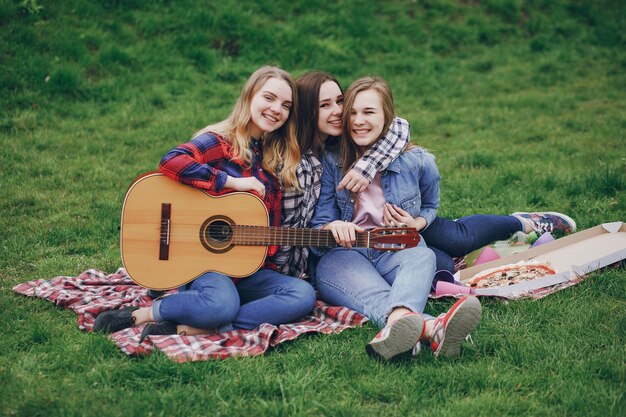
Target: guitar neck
286,236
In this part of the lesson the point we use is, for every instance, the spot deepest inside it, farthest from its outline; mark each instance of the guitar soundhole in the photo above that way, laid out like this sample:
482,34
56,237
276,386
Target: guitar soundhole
216,234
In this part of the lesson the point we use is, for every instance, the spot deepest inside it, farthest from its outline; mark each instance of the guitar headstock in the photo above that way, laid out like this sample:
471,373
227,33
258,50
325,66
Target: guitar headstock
393,238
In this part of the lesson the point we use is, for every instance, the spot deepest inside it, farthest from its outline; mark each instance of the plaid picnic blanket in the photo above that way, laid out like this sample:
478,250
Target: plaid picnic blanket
93,291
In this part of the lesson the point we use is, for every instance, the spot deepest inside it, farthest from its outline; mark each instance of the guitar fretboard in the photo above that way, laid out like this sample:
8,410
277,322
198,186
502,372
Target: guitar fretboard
285,236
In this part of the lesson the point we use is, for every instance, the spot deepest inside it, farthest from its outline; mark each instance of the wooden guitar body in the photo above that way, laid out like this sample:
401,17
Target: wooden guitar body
142,232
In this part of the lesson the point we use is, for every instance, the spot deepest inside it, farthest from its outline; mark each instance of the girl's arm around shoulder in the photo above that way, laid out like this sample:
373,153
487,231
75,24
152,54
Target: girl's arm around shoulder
384,151
197,162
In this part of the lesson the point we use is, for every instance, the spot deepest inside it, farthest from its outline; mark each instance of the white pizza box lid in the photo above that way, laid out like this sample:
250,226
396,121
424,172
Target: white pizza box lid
572,256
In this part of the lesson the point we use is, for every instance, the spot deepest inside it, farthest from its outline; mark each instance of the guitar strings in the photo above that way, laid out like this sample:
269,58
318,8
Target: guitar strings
268,235
241,234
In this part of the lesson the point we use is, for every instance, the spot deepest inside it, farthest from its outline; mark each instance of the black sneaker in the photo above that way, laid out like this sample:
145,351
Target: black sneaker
164,328
154,294
115,320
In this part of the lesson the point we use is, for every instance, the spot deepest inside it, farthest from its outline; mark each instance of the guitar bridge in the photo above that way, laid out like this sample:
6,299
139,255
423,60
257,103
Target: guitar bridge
164,241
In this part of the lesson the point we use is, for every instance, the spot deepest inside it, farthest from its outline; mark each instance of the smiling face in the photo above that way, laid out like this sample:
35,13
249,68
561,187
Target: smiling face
330,109
367,118
270,107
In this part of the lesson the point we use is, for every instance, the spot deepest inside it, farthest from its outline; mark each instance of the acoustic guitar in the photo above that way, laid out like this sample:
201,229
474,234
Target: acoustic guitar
172,233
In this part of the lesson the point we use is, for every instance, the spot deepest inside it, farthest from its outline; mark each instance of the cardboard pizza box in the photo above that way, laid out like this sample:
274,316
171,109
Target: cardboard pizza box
572,256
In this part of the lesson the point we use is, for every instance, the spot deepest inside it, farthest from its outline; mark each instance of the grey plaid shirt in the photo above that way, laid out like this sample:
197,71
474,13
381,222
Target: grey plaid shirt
298,206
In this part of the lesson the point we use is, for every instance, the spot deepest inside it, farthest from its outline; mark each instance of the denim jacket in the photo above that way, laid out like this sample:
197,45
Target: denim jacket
411,182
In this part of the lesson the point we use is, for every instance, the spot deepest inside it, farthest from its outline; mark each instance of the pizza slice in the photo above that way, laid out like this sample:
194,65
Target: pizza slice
501,276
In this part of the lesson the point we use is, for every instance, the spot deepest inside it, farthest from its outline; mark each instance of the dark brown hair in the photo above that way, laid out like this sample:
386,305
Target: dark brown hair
308,86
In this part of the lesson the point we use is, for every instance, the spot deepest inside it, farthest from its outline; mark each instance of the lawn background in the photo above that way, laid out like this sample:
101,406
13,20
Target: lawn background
522,102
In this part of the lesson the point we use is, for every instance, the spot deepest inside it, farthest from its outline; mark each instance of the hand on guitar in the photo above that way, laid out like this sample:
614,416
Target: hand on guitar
246,184
344,232
396,217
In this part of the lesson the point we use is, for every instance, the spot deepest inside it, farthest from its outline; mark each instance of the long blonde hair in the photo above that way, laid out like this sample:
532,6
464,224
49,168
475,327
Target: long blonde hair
281,154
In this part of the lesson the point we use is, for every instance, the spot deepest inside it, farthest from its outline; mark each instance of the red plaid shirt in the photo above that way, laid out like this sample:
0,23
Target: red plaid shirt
206,162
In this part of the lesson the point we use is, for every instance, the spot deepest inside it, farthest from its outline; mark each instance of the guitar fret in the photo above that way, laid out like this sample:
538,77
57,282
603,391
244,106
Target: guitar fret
381,239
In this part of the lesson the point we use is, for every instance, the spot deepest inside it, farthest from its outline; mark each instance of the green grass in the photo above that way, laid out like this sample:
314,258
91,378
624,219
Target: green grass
522,102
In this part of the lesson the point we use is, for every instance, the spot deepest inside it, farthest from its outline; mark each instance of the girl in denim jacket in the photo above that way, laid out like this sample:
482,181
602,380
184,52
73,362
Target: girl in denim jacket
320,104
391,288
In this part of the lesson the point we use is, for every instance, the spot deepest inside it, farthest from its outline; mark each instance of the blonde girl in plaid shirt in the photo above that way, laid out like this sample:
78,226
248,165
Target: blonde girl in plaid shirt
242,153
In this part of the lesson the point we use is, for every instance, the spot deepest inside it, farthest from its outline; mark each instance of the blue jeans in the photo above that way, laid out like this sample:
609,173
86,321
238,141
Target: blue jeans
373,282
213,301
451,238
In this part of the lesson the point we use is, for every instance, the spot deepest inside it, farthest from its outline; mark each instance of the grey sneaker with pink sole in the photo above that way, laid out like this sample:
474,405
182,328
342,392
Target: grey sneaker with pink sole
452,328
397,337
